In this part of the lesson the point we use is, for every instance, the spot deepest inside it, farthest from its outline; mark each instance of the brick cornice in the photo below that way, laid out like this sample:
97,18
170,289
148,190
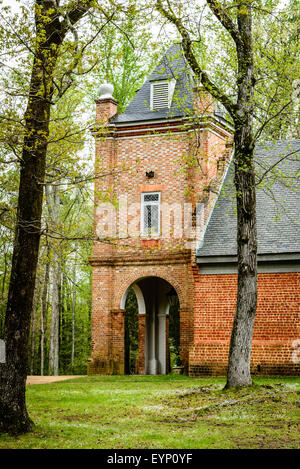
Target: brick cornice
161,258
113,130
106,100
118,311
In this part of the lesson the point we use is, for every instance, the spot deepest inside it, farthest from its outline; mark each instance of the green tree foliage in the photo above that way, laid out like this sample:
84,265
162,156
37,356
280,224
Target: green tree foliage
46,55
248,66
129,52
86,58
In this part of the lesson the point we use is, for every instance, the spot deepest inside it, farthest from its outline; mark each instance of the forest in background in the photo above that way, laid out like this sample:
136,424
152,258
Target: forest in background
123,55
61,318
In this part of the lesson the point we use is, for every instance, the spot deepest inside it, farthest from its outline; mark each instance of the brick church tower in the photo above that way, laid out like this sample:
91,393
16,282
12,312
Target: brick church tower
158,169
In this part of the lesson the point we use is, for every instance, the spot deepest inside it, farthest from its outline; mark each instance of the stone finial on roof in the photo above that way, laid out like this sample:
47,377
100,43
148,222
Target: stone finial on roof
106,91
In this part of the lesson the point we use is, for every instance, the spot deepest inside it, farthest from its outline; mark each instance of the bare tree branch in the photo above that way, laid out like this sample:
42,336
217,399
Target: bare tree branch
190,56
220,12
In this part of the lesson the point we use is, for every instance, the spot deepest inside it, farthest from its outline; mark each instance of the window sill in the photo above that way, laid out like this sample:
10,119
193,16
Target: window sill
150,242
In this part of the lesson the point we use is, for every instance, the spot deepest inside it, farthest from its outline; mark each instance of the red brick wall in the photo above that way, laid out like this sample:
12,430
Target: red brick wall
122,160
277,323
174,159
205,319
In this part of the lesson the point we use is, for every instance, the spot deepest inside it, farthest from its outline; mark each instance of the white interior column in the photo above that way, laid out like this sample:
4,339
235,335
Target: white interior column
161,337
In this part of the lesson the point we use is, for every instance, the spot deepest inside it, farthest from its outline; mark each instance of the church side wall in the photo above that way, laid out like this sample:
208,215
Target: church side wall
276,344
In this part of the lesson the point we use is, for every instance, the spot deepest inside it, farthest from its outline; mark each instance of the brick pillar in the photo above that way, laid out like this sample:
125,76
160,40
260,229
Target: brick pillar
142,332
117,343
107,327
105,109
167,346
106,105
101,321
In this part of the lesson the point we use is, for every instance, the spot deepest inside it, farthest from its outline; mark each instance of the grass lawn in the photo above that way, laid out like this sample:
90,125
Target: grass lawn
161,412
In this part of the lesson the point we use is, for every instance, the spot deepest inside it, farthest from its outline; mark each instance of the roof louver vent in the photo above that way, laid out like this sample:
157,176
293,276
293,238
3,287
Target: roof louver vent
161,94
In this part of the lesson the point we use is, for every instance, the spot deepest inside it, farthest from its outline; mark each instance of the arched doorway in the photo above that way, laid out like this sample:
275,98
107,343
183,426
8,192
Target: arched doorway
154,296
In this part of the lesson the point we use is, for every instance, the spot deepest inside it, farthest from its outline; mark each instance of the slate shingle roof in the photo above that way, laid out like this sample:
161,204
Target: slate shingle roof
278,205
172,65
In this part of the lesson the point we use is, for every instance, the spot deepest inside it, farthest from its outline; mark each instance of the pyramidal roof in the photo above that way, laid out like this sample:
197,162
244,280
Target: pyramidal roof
173,66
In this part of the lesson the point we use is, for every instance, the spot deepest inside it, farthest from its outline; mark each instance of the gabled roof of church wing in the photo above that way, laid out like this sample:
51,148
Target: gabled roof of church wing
277,207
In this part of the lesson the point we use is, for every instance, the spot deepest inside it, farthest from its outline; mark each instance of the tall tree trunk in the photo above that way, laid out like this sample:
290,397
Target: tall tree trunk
33,325
4,275
241,337
50,33
62,309
73,316
2,316
53,204
54,326
13,413
238,374
44,312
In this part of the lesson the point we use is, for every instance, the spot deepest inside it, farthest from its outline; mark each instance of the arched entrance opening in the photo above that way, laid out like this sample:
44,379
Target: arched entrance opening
155,298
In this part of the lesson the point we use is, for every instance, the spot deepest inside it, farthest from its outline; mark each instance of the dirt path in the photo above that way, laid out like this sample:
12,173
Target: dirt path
49,379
